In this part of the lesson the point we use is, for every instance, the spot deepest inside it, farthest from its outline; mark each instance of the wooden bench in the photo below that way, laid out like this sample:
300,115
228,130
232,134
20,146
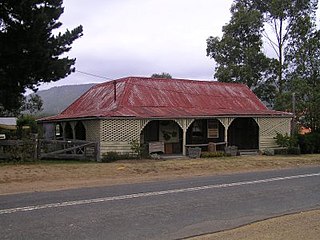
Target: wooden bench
212,146
155,147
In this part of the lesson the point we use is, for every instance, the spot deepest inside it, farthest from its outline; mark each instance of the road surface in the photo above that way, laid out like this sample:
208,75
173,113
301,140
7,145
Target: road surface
159,210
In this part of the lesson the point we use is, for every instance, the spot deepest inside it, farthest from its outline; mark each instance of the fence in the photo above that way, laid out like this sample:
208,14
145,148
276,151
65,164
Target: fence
49,149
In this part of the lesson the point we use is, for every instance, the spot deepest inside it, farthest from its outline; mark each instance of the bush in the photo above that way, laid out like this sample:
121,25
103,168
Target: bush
286,140
294,151
141,150
281,151
213,154
109,157
309,143
287,151
115,156
29,122
23,151
289,144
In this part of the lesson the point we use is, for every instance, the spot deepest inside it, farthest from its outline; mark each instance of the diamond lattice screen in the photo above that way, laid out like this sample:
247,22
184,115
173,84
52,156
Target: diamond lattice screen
92,128
272,126
120,130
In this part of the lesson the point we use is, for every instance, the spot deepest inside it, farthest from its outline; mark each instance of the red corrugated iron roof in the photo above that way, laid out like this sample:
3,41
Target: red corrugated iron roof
141,97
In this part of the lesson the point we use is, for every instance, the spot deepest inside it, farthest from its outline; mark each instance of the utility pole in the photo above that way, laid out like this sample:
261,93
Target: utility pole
293,122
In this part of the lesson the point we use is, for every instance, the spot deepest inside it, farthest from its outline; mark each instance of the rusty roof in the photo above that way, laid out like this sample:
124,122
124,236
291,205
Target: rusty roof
141,97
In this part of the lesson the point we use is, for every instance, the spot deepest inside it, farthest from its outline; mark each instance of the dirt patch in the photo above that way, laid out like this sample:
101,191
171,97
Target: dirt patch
305,225
47,176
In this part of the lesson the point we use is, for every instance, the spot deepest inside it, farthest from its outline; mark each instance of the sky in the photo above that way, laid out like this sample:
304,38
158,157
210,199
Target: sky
141,37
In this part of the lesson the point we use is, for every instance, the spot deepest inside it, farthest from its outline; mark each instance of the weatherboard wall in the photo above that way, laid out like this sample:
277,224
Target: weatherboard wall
268,129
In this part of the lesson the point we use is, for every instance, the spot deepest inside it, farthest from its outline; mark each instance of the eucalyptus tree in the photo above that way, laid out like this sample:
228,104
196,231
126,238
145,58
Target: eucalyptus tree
283,25
238,53
161,75
303,74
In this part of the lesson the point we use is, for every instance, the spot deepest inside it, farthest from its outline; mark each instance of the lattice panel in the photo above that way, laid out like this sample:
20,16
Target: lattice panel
272,126
120,130
92,130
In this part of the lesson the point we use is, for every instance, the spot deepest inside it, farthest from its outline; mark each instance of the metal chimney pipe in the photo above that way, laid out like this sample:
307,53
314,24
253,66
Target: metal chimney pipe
114,91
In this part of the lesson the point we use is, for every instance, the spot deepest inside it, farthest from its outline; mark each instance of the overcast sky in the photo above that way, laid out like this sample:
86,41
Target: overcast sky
141,37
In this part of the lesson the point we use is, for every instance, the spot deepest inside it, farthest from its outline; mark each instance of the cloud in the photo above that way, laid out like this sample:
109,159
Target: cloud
130,37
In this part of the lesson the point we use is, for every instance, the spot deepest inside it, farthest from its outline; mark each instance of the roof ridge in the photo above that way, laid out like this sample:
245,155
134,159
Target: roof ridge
184,80
170,89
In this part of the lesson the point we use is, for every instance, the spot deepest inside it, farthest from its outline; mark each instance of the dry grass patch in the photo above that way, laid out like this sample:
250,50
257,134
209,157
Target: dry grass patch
305,225
52,176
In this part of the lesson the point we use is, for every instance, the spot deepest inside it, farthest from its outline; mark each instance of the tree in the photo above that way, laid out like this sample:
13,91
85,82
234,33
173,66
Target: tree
282,28
238,53
289,21
161,75
32,104
304,80
30,52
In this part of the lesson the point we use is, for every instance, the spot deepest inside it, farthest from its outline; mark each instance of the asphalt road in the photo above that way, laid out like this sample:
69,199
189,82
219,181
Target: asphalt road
159,210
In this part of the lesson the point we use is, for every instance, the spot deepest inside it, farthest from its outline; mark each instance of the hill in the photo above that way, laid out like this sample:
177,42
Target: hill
56,99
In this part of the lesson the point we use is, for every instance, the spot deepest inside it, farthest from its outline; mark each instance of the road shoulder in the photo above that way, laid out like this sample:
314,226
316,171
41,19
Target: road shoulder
303,225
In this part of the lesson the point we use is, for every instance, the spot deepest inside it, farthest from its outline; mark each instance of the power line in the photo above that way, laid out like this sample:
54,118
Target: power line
93,75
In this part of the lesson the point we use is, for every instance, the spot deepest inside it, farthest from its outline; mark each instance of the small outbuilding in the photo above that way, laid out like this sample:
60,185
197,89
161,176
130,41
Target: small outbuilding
174,113
7,125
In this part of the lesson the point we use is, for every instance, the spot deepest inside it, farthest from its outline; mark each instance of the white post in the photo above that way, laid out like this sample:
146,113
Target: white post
184,142
226,134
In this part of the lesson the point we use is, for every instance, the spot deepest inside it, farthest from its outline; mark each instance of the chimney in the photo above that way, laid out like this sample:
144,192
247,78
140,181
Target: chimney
114,91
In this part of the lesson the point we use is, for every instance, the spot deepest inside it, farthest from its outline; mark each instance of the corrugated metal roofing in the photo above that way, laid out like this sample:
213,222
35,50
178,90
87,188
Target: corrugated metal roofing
9,121
141,97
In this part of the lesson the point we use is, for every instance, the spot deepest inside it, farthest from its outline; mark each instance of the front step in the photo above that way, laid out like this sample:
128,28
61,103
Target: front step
248,152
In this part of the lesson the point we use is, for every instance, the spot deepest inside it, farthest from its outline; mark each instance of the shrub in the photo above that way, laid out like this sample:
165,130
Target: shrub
309,143
26,121
288,143
110,157
281,151
115,156
21,152
294,151
213,154
140,150
286,140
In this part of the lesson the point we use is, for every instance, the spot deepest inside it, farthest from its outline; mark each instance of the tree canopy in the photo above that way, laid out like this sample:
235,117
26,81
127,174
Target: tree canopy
31,49
238,53
244,53
161,75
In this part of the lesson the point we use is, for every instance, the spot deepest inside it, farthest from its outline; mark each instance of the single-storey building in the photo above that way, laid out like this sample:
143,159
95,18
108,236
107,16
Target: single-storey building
7,125
178,113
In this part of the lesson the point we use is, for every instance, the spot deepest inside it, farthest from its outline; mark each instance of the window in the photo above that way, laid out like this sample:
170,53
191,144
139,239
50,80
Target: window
198,131
197,127
213,128
58,130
